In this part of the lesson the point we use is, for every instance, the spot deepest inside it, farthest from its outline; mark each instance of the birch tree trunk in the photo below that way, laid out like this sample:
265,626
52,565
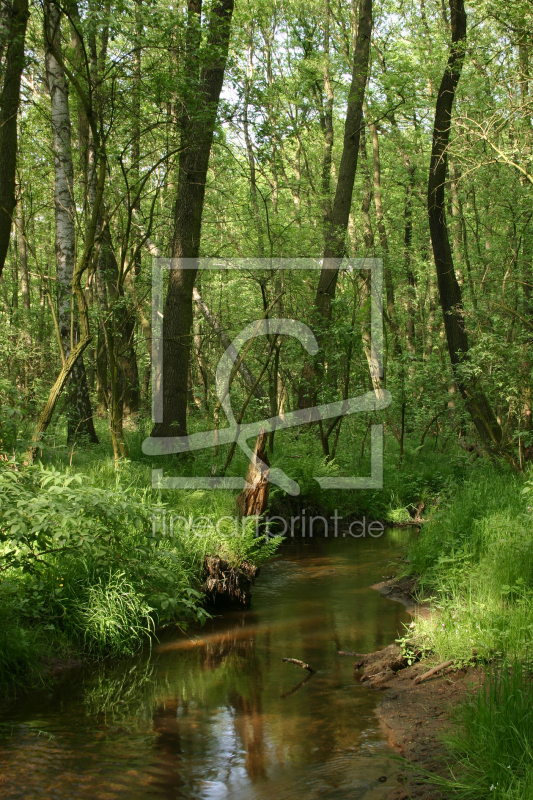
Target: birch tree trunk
80,419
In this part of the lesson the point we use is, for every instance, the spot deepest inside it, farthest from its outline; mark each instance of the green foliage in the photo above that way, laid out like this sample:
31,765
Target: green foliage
91,566
113,619
11,416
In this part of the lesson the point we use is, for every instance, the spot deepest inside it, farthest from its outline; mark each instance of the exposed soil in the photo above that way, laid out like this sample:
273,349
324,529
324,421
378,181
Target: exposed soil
413,716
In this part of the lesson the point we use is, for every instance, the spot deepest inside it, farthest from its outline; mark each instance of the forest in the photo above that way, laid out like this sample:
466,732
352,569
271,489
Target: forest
257,258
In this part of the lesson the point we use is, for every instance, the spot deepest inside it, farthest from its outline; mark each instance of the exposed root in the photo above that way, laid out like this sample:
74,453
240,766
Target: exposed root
227,586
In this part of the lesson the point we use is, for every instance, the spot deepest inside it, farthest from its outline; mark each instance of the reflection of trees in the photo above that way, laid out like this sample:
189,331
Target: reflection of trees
169,750
243,679
248,723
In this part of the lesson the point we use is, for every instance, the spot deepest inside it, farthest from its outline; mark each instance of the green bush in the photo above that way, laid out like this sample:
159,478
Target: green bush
88,565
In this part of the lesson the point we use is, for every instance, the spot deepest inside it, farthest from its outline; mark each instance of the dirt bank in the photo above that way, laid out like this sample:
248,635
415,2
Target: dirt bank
413,716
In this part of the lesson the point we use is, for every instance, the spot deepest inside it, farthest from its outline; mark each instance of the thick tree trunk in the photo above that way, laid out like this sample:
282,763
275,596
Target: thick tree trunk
334,247
80,420
15,21
197,126
327,123
449,289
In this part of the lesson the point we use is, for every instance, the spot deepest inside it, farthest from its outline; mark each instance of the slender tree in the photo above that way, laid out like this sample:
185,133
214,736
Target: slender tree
80,420
449,290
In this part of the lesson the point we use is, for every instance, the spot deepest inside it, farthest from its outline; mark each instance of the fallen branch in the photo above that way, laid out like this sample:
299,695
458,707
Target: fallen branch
350,653
299,664
433,671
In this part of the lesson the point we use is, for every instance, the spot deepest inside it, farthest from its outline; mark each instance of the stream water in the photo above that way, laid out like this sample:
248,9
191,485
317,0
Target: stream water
221,716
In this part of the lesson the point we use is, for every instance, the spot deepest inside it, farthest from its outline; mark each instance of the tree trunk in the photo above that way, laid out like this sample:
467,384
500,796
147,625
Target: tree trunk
80,420
23,255
327,123
16,20
253,500
334,247
449,289
197,127
411,306
54,395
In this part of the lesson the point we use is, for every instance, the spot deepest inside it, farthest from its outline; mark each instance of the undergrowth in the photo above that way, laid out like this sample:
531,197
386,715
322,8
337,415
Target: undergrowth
475,559
87,566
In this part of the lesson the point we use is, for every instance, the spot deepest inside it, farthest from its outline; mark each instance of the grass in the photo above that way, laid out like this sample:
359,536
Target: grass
84,567
475,559
108,572
491,749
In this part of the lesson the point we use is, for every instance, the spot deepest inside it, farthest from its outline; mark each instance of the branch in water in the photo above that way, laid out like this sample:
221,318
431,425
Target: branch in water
299,664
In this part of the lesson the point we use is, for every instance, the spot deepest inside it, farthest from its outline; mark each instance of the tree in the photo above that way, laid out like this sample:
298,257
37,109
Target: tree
81,421
14,19
449,290
203,78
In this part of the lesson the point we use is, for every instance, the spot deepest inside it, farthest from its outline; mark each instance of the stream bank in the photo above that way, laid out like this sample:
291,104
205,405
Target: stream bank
415,716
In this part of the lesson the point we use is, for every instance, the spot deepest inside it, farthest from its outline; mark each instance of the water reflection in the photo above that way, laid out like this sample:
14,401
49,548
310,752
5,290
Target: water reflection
218,714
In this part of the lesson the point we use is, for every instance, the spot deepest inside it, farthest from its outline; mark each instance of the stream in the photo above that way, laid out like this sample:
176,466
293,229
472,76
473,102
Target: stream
217,714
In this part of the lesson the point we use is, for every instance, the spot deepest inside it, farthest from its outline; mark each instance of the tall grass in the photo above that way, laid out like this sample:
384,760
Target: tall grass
475,558
491,749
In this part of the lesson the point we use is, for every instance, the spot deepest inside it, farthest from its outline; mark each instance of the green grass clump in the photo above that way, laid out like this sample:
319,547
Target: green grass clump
475,558
114,619
491,748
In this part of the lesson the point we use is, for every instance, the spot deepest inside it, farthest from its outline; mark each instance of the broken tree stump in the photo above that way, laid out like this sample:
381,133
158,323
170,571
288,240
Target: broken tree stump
253,500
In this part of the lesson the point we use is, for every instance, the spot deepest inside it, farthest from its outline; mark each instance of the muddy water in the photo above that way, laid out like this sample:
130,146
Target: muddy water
222,716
